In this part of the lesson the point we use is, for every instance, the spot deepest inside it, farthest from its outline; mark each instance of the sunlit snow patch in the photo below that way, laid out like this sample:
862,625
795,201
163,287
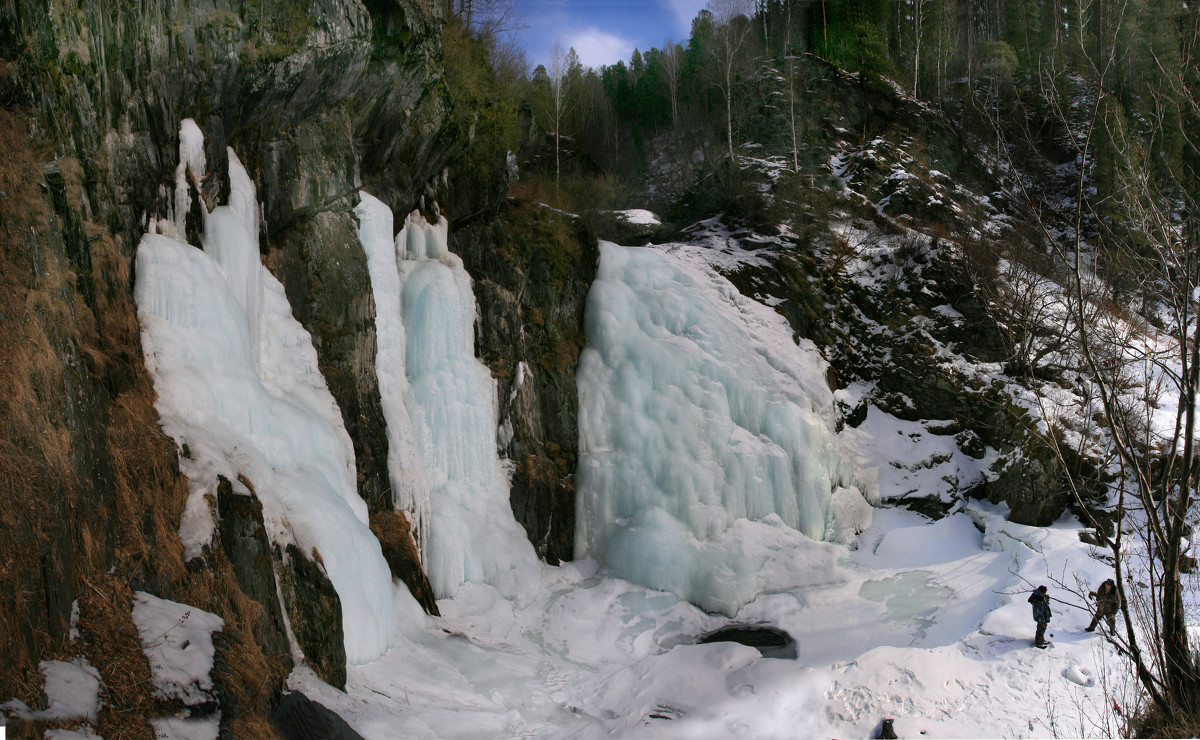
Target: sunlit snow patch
177,640
639,217
697,409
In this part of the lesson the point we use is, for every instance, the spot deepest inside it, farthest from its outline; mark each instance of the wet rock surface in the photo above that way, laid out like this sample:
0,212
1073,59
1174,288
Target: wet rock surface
772,642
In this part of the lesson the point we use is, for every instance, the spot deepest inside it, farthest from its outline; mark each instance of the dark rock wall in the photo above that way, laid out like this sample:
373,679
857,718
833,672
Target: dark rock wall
532,268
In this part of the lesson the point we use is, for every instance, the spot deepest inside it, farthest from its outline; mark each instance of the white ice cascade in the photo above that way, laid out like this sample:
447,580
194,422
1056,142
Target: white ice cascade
439,401
697,409
238,383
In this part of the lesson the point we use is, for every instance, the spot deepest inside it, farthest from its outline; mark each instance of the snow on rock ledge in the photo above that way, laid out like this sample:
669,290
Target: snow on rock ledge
697,410
177,640
72,693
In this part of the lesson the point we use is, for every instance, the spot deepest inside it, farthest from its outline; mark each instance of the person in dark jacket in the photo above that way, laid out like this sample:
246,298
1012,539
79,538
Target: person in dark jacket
1108,601
1041,614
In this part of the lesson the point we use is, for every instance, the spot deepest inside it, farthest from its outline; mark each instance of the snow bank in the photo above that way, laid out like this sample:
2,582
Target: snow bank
72,691
639,217
697,409
440,401
177,640
180,728
238,384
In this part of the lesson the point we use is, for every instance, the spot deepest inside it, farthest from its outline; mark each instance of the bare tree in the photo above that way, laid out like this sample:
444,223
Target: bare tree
790,67
672,61
730,31
559,76
918,19
1130,370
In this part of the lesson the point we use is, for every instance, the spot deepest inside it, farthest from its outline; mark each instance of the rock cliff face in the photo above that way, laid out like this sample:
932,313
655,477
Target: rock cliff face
319,99
532,268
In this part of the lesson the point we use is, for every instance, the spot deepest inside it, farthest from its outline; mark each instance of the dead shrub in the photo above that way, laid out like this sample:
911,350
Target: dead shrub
111,643
392,530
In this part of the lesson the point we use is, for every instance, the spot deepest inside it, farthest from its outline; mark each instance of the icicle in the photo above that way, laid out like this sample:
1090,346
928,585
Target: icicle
191,158
410,490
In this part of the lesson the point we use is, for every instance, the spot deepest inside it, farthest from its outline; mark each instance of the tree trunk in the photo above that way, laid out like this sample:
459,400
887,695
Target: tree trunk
916,44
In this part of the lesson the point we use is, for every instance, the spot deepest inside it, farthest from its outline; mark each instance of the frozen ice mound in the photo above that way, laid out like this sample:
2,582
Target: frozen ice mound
911,598
697,409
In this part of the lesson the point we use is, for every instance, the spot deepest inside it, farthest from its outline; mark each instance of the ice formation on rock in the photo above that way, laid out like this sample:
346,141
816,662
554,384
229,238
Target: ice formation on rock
238,383
191,157
697,409
406,469
443,399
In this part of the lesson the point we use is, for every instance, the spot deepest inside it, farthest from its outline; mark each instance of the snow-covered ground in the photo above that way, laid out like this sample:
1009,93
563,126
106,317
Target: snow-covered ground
922,621
926,622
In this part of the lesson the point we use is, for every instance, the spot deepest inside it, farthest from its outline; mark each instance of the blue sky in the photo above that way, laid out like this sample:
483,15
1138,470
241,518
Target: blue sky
602,31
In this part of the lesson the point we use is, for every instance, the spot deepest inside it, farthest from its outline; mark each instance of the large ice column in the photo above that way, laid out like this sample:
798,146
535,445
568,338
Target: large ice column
406,468
238,383
231,239
445,404
697,408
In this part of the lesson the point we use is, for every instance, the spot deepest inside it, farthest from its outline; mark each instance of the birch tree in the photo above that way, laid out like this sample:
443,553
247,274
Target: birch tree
730,33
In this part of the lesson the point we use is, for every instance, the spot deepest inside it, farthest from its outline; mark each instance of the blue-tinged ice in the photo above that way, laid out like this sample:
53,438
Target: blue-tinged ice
406,468
697,409
441,401
238,383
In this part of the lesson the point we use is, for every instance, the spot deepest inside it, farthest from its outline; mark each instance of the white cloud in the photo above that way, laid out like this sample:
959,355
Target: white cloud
596,47
684,11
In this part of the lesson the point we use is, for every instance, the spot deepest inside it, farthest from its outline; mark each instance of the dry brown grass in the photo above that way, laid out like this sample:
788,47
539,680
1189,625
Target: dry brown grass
392,530
34,446
121,528
249,678
110,642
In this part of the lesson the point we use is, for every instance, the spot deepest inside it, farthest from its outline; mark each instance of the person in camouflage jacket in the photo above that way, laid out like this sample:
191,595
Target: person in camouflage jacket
1108,601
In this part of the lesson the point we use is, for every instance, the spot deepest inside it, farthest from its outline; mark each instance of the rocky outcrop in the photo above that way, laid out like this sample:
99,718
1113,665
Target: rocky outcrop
315,612
317,98
244,540
532,267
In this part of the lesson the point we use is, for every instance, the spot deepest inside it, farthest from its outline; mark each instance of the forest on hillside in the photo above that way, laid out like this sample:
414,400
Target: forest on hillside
1085,115
1042,79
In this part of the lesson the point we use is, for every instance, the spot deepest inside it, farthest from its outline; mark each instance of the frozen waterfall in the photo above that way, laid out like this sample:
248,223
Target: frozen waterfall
238,383
440,405
697,409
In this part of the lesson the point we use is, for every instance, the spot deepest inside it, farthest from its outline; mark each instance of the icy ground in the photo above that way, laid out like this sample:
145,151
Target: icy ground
926,623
